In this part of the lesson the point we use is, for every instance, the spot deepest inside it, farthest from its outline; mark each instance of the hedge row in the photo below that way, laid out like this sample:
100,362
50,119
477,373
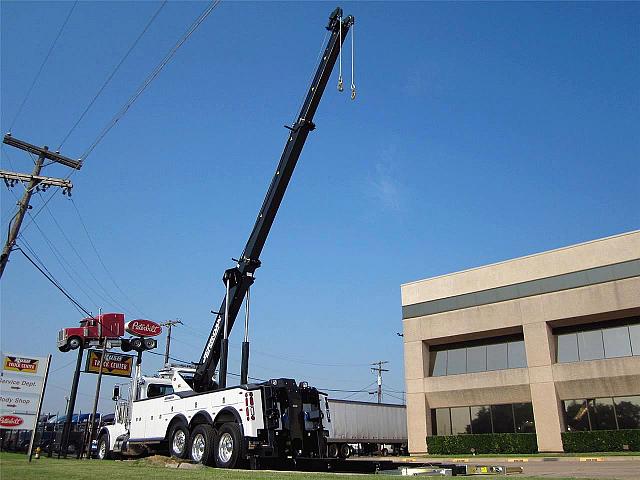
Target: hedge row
601,441
482,443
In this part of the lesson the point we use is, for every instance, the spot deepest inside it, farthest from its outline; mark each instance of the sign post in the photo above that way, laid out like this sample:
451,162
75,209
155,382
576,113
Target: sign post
44,386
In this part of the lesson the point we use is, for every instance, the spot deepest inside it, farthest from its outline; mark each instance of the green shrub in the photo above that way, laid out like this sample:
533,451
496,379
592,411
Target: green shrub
601,441
482,443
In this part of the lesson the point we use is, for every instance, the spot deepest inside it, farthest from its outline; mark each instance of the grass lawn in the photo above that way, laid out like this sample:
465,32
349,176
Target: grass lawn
16,467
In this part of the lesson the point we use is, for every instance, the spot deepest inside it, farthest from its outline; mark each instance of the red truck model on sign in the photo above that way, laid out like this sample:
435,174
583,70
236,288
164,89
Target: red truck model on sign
107,325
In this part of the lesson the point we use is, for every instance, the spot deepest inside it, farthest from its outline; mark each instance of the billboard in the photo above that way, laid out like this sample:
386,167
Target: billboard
115,364
21,383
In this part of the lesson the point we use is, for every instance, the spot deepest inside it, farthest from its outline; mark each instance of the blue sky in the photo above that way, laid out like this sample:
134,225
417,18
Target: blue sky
481,132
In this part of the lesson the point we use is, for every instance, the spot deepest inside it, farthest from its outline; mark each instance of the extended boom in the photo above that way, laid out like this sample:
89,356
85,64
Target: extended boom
239,279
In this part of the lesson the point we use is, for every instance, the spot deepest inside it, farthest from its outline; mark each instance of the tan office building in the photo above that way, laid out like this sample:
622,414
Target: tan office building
545,343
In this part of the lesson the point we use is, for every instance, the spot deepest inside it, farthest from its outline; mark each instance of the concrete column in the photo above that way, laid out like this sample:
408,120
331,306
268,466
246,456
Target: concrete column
418,422
416,368
547,409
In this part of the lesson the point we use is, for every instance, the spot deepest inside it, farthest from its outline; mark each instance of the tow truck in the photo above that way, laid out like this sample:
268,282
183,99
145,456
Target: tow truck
189,410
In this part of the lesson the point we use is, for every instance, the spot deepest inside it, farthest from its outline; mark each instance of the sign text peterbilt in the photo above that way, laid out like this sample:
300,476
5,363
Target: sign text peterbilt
143,328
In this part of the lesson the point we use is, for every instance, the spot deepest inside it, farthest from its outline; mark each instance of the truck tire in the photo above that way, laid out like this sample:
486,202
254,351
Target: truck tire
229,446
345,450
103,452
179,441
333,450
202,444
74,343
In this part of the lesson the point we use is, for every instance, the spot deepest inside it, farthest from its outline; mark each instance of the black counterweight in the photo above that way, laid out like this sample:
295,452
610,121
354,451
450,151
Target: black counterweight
241,277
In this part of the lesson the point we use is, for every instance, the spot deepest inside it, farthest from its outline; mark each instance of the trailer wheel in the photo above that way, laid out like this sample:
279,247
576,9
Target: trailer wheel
178,440
229,446
345,451
202,444
333,450
103,447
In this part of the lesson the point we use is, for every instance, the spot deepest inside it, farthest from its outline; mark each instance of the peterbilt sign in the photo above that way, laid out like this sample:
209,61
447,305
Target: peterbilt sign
143,328
10,421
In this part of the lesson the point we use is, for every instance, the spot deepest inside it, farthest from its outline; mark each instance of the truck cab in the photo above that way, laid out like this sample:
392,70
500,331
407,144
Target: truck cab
106,325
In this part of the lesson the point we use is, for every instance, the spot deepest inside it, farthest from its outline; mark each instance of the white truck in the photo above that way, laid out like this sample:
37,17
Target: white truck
366,428
225,428
191,411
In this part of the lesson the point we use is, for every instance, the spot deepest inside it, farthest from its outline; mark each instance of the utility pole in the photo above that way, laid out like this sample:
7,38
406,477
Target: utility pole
98,384
34,182
378,369
169,324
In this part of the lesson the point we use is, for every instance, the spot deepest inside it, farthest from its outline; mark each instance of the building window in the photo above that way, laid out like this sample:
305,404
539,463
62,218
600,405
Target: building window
505,418
602,413
594,342
478,356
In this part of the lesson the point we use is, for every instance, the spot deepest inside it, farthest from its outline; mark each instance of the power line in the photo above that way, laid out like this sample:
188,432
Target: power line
64,235
55,283
109,274
150,78
42,65
115,70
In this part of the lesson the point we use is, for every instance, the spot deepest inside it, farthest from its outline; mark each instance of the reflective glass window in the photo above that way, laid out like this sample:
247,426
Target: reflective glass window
497,356
628,411
634,332
477,359
590,345
517,357
460,421
523,416
457,361
481,419
439,362
567,348
443,421
577,415
502,416
616,342
602,414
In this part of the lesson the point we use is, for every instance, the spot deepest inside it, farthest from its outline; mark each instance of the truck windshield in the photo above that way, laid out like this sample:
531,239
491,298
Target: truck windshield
158,390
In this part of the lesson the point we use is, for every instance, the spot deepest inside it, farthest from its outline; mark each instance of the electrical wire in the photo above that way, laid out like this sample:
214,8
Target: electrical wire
55,41
150,78
111,75
55,283
135,96
104,266
64,235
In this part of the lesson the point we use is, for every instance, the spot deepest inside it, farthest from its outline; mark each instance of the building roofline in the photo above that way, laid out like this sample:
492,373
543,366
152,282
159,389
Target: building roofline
632,232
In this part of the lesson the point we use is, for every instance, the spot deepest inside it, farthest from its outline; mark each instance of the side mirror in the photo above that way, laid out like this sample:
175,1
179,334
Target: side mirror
116,393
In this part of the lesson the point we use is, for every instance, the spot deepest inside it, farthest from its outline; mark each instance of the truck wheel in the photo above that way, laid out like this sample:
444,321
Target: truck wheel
103,447
178,440
345,451
333,450
229,446
73,343
202,443
385,452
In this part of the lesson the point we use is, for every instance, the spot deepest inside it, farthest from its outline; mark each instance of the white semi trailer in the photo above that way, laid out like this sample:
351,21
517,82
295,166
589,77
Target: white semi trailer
366,428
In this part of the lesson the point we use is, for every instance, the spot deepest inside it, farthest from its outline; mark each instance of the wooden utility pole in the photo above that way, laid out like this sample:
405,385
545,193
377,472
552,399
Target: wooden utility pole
378,369
34,182
169,324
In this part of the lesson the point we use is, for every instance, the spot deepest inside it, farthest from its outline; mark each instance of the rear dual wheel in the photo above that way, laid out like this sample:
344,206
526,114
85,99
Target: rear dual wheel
202,444
229,447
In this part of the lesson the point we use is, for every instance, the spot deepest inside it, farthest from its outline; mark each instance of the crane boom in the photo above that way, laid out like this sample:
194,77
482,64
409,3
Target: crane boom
239,278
